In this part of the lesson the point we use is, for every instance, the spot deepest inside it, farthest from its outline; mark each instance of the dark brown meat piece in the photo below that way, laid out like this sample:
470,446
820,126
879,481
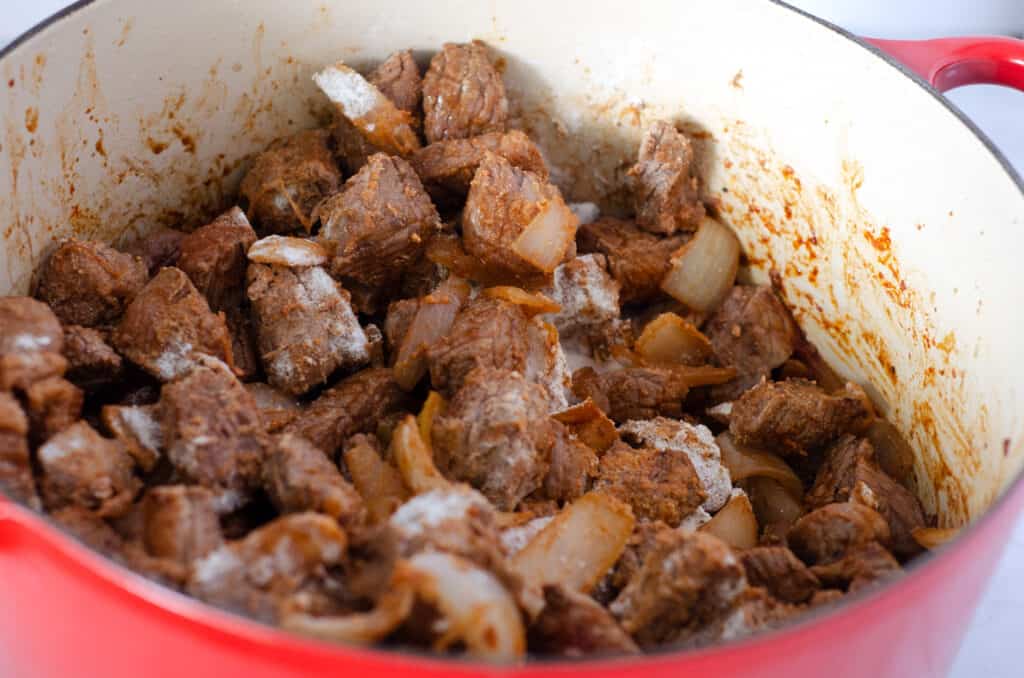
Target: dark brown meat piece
572,467
446,168
463,94
657,484
306,326
752,331
88,283
30,343
496,436
92,363
213,257
288,180
354,405
685,579
53,405
791,416
826,534
254,575
666,190
277,408
861,566
15,465
504,204
244,344
397,322
780,572
158,248
378,225
633,392
180,522
573,624
168,326
18,371
636,259
82,468
139,430
213,433
752,610
851,462
644,538
298,476
398,78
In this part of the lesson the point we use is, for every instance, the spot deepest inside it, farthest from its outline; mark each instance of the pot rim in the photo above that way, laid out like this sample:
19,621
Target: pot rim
178,604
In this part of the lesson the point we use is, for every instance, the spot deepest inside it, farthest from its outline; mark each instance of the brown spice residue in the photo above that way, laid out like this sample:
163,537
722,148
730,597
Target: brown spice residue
186,139
737,80
157,147
31,119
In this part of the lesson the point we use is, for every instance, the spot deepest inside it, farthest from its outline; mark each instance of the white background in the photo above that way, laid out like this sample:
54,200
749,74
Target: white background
992,646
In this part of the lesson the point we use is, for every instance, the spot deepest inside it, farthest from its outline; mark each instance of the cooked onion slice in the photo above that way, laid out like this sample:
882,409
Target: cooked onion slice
432,321
434,405
735,523
546,239
934,537
533,303
377,482
747,462
590,424
672,339
364,628
704,269
773,504
894,454
286,251
476,608
414,458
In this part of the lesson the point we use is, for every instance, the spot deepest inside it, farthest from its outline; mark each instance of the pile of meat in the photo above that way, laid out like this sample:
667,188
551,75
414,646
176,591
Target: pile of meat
405,394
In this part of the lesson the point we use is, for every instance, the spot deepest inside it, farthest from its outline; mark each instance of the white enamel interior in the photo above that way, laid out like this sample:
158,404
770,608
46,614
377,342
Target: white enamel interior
897,232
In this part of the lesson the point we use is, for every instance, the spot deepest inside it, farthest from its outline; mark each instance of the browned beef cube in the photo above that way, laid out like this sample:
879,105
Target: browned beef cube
859,567
15,466
277,408
790,416
636,259
780,572
82,468
398,321
633,392
826,534
288,180
299,477
180,522
514,221
354,405
28,326
213,432
752,610
168,326
752,331
213,257
573,624
158,248
446,168
379,225
850,463
53,405
244,343
685,578
496,436
92,362
463,94
572,467
139,430
658,485
588,295
667,192
88,283
398,78
644,538
253,576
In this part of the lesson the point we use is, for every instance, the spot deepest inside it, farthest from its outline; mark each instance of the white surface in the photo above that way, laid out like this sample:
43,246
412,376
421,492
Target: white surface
999,620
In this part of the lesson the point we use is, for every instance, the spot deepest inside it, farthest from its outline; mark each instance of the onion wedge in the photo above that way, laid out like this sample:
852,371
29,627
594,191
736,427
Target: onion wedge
934,537
547,237
415,459
704,269
286,251
672,339
434,405
534,303
747,462
735,523
364,628
432,321
379,484
590,424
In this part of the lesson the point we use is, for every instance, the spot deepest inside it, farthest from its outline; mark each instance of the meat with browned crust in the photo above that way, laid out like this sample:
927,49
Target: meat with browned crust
180,522
657,484
826,534
92,362
15,465
463,94
666,190
398,78
780,572
573,624
213,257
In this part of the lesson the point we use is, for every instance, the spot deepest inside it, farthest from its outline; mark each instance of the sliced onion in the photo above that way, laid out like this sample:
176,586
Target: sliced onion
671,339
590,424
434,405
478,611
748,462
534,303
415,460
773,504
286,251
432,321
894,454
364,628
546,239
735,523
379,484
934,537
704,269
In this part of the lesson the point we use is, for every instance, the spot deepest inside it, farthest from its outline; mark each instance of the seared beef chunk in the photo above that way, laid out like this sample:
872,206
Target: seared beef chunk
299,477
667,195
859,567
168,326
30,343
158,248
355,405
82,468
398,78
139,430
88,283
496,436
53,404
780,572
277,408
752,610
791,416
378,225
255,575
573,465
213,433
633,392
657,484
92,363
574,625
636,259
752,331
588,295
15,467
463,94
213,257
288,180
685,579
180,522
826,534
306,326
244,345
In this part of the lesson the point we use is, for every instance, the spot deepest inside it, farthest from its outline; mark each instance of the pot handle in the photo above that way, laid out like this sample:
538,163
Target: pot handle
953,62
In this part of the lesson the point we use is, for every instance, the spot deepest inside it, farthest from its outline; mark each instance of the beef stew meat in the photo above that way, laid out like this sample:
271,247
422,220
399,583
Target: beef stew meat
411,459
